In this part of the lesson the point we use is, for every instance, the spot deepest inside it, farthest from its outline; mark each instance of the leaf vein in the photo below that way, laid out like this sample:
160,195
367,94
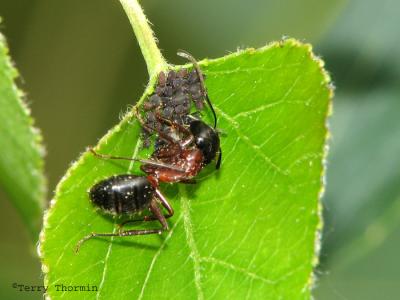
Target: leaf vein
155,257
194,252
103,276
247,140
235,268
136,149
261,108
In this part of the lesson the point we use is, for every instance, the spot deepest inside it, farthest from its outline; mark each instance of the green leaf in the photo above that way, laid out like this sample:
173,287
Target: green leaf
21,158
248,230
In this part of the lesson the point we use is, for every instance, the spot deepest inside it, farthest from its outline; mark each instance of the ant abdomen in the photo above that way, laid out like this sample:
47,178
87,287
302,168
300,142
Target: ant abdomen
122,194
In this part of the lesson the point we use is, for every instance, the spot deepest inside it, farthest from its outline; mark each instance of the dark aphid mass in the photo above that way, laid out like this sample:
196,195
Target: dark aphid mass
173,97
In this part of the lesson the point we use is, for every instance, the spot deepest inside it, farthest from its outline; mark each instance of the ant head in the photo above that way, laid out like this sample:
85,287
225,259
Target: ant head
205,137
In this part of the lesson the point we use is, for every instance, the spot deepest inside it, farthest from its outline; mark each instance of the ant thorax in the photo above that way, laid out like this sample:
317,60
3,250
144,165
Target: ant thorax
185,166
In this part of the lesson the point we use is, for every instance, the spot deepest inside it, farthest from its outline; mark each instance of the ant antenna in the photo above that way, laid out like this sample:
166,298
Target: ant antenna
189,57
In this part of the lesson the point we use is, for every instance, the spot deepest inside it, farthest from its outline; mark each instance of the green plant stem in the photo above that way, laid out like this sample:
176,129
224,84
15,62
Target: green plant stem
152,55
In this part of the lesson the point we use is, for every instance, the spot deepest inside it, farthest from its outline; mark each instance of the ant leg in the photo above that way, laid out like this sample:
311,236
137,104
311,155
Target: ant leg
161,135
158,214
172,123
143,161
164,136
107,156
153,208
120,234
145,219
181,128
163,202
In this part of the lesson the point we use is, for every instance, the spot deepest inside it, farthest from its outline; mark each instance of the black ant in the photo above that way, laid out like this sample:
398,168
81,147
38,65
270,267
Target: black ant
177,160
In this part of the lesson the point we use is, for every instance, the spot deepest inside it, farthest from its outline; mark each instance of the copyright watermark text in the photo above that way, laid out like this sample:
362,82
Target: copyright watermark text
57,287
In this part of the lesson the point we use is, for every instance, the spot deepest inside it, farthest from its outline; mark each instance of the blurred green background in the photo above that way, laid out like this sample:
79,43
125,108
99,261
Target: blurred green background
81,68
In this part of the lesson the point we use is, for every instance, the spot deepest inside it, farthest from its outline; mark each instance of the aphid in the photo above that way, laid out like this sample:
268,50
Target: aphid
128,194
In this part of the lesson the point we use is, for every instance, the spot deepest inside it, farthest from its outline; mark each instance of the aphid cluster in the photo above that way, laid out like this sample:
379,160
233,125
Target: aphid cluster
172,100
184,146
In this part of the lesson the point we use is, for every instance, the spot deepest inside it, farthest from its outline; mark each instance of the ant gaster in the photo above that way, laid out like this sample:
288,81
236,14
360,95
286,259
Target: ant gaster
178,160
128,194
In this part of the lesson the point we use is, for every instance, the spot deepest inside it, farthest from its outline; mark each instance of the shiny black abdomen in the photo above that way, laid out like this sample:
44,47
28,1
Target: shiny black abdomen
122,194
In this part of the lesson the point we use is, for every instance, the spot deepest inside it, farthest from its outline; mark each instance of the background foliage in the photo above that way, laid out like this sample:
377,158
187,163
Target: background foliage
21,159
357,39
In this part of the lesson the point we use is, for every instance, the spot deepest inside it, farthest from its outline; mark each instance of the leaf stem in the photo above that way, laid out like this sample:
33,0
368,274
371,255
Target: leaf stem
147,42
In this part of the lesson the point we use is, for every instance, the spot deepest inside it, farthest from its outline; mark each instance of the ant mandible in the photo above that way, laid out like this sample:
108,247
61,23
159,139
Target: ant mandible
178,160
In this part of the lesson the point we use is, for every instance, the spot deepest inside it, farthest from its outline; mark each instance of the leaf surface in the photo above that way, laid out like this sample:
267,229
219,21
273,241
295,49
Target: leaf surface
248,231
21,157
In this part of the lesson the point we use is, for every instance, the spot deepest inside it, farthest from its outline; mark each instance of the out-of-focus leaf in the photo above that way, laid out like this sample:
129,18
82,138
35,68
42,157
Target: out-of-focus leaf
368,28
21,155
362,198
248,230
365,146
364,267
